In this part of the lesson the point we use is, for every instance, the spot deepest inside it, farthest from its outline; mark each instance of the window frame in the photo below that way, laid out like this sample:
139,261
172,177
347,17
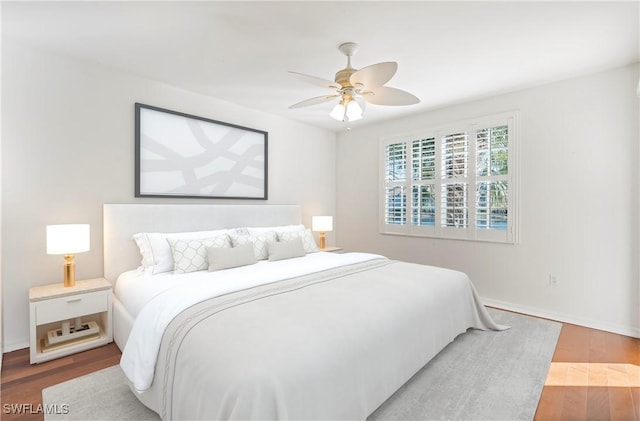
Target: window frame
471,232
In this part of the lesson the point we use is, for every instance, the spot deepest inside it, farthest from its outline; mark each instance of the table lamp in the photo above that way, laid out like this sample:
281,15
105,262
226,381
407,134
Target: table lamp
68,239
322,224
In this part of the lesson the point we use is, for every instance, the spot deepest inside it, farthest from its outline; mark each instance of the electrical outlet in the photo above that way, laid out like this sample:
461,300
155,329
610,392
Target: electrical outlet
553,280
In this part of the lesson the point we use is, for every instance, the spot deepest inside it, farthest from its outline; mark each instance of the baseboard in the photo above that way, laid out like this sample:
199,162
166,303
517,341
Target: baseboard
565,318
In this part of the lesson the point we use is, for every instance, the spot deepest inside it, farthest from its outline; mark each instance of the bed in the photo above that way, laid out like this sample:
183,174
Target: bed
311,335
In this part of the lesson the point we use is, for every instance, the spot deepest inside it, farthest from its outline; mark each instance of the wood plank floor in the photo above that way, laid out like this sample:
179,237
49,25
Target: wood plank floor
21,383
594,376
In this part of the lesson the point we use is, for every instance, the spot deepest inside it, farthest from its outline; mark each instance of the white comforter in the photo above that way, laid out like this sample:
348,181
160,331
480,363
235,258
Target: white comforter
170,294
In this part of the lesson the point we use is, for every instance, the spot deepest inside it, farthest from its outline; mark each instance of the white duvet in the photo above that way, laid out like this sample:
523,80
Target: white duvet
157,299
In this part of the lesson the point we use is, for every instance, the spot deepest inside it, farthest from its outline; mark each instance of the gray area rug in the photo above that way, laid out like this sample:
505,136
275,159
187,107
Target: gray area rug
479,376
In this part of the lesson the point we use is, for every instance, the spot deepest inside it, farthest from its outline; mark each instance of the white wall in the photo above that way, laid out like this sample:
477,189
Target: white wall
579,153
1,330
68,147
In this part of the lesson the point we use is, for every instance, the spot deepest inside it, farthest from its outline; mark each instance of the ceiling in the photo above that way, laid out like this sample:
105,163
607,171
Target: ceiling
447,52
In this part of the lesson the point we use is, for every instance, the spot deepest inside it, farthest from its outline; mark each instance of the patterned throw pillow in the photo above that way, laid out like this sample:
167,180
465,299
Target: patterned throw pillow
259,242
191,255
239,231
279,228
308,242
156,252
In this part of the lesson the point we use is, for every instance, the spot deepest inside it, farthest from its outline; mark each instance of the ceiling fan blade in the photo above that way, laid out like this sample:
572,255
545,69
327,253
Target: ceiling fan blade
384,95
314,101
323,83
375,75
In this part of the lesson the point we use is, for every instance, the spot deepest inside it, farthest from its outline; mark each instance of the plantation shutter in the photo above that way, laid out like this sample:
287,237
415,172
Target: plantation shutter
395,176
452,182
455,165
423,174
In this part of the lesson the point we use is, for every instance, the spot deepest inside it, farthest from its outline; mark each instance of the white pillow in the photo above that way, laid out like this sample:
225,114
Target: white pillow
225,258
156,252
142,241
308,242
259,242
286,249
191,255
281,228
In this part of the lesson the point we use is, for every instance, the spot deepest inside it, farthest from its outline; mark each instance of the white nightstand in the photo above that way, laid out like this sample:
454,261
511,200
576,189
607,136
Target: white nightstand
332,249
50,305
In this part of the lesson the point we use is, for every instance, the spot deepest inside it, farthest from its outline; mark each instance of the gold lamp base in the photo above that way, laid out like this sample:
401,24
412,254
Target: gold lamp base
69,271
323,240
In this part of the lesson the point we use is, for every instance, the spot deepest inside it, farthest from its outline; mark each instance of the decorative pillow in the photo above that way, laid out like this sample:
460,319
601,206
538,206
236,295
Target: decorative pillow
224,258
156,252
286,249
259,242
191,255
281,228
239,231
308,242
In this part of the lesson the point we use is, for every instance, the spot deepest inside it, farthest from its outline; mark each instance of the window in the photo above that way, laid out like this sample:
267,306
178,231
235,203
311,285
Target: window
452,182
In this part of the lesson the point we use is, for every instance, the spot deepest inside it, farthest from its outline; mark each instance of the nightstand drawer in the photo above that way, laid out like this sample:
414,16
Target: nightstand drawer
72,306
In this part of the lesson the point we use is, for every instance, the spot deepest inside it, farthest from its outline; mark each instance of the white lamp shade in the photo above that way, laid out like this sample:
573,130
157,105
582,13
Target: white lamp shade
354,111
338,112
350,110
322,223
68,238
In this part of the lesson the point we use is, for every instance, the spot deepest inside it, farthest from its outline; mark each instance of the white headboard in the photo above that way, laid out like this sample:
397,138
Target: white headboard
122,221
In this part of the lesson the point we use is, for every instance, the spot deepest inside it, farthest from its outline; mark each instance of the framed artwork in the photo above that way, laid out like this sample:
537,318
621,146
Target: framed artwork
181,155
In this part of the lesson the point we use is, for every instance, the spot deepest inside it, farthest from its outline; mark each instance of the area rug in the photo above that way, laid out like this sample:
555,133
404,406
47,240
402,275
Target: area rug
479,376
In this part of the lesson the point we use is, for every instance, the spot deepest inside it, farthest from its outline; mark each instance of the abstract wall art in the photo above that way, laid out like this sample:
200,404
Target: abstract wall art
181,155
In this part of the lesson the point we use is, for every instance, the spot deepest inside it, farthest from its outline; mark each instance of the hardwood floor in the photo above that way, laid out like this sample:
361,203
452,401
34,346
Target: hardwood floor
595,375
21,383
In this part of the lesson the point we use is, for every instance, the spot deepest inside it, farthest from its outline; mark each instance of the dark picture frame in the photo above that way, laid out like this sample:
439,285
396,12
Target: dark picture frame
185,156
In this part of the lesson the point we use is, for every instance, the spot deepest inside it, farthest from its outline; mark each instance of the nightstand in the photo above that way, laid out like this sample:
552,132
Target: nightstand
332,249
50,305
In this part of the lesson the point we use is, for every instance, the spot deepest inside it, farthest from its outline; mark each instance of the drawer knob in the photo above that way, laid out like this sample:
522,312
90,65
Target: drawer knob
74,300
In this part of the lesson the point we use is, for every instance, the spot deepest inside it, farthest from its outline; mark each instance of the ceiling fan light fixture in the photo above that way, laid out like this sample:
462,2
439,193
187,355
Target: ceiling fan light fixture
354,88
354,111
347,110
338,112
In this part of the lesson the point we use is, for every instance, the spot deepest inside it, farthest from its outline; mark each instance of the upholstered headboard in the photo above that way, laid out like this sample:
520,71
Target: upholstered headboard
121,221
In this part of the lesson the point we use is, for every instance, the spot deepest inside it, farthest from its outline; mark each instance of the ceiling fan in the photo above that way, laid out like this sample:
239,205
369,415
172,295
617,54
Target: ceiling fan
354,88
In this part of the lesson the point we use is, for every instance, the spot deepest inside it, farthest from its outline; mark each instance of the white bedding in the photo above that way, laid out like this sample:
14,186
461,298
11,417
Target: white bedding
334,344
154,300
330,345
